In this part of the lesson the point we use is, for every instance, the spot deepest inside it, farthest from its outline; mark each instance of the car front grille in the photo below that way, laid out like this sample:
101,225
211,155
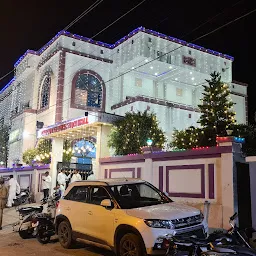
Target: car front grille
199,233
187,222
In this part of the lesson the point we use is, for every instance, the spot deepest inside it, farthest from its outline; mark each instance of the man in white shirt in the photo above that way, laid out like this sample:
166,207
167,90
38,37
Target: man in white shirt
62,179
75,177
14,188
46,185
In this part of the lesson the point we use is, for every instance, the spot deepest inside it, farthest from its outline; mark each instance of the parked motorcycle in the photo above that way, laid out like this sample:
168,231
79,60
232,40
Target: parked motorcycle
27,215
232,242
45,227
23,198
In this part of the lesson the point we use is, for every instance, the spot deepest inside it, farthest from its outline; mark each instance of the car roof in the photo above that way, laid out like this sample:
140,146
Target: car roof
109,182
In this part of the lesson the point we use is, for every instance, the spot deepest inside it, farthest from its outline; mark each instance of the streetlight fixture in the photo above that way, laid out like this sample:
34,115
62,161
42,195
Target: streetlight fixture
149,142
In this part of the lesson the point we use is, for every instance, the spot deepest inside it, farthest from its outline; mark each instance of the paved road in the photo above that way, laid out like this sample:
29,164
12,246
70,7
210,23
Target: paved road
12,245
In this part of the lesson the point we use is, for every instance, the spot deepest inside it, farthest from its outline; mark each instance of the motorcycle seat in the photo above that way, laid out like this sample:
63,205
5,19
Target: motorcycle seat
27,210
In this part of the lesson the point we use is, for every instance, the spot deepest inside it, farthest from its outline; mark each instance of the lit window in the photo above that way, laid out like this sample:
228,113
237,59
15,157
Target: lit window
88,91
178,92
45,92
138,82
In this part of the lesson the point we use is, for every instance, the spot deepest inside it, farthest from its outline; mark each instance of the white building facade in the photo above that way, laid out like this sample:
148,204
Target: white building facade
145,70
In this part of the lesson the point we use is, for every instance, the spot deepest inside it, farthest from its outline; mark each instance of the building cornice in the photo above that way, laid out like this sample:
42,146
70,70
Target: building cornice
161,102
116,44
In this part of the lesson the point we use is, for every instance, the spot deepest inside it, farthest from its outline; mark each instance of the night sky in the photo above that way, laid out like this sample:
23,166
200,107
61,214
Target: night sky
31,24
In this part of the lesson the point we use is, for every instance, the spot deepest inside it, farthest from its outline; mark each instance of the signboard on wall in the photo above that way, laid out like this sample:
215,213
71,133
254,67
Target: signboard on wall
63,126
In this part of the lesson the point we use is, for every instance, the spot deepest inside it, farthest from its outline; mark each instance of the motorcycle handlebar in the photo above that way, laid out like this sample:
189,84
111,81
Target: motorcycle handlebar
233,217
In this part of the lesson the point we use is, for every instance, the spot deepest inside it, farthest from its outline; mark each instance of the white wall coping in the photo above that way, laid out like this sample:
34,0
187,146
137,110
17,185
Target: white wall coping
250,159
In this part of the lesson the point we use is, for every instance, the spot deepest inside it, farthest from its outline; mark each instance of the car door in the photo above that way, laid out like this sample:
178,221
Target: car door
100,220
74,206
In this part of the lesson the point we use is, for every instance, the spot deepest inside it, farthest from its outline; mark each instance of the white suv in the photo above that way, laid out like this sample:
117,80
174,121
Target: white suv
128,216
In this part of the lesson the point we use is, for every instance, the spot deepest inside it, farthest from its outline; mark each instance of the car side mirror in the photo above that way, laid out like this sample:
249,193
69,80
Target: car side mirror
106,203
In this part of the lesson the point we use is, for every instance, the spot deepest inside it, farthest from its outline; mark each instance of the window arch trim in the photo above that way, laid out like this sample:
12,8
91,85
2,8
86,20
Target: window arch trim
40,107
75,78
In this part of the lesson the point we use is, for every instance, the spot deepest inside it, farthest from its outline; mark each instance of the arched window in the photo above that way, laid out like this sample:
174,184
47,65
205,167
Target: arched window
87,90
45,92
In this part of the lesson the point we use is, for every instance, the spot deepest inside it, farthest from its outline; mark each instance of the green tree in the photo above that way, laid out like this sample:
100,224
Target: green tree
4,143
29,156
67,151
216,117
216,113
132,132
44,148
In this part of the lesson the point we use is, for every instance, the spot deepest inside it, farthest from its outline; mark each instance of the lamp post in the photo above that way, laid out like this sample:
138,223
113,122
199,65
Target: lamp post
149,143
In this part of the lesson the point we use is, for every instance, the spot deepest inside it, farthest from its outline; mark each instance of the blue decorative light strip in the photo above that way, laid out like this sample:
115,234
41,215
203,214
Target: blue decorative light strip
7,85
111,46
239,139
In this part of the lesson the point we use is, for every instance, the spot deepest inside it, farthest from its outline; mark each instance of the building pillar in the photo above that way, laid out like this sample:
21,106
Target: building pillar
148,174
102,149
227,188
35,183
57,152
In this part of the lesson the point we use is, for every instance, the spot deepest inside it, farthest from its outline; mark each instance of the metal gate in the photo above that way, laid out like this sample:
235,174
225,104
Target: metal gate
243,195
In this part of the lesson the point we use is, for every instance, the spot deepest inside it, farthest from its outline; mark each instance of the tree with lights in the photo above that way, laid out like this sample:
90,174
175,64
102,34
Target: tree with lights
4,147
216,117
216,113
42,153
131,133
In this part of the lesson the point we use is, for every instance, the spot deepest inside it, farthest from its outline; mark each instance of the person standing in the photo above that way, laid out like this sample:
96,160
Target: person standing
14,188
46,185
75,177
3,199
62,179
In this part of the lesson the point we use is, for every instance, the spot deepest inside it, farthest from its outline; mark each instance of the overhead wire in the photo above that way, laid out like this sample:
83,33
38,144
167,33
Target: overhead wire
128,71
90,8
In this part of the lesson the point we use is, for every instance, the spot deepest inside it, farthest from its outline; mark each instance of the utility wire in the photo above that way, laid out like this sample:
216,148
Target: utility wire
94,5
240,17
200,37
119,18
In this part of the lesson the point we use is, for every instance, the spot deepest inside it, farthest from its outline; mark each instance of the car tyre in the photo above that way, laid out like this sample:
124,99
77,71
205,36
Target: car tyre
131,244
65,235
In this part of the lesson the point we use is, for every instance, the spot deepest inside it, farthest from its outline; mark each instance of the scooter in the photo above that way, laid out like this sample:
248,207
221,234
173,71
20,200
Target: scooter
23,198
25,225
45,227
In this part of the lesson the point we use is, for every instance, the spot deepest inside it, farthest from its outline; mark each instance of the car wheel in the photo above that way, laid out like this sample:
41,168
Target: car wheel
131,245
65,235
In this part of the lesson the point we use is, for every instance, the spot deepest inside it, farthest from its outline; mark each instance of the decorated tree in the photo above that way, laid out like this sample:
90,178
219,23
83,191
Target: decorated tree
216,113
216,117
44,148
42,152
4,146
132,132
67,151
29,156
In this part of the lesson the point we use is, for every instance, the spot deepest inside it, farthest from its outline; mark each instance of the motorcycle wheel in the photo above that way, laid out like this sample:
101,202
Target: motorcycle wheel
43,239
25,234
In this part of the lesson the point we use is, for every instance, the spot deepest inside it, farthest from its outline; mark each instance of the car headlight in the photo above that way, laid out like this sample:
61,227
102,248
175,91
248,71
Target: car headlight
159,224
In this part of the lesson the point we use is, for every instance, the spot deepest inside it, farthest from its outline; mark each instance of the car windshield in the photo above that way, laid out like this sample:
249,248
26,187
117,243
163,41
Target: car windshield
138,195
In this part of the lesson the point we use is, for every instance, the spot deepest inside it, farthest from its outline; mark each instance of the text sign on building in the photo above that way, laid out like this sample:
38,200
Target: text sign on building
65,126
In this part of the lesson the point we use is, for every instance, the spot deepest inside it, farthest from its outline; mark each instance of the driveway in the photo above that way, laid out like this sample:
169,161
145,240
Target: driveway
12,245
